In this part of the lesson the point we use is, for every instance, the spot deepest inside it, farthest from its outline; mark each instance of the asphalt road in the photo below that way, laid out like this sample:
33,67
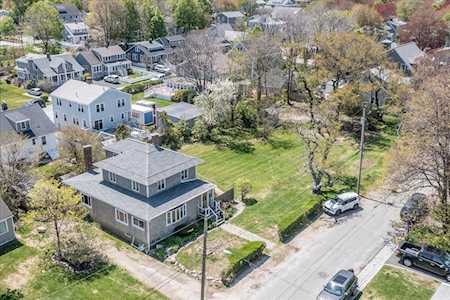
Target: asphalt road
327,246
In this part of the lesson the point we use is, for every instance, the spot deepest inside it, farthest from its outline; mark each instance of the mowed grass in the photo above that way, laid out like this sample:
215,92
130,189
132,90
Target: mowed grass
15,97
111,283
159,102
395,284
280,182
11,256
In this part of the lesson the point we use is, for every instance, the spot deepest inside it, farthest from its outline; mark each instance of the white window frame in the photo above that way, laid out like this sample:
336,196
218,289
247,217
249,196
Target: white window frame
86,197
133,218
117,219
162,185
135,186
176,214
6,225
112,177
184,175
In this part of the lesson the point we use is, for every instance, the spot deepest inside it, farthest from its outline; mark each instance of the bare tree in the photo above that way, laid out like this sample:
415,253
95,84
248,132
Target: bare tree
15,177
424,148
106,17
196,60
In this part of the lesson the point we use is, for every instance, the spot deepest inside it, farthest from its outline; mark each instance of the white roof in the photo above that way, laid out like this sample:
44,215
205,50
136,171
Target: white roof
76,26
141,108
347,195
79,91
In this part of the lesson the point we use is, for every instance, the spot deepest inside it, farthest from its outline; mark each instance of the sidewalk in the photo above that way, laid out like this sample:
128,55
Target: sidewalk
374,266
233,229
442,293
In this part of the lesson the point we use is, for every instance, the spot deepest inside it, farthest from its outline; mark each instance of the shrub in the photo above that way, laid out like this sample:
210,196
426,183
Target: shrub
292,223
240,257
122,132
186,95
245,187
246,114
139,87
11,295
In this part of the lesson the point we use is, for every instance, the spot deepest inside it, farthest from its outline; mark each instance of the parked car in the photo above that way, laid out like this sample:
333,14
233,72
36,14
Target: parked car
35,91
415,208
161,68
425,257
341,203
343,286
39,101
112,79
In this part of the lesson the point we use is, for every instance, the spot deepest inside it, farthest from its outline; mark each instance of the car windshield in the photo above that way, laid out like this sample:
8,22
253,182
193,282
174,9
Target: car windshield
334,288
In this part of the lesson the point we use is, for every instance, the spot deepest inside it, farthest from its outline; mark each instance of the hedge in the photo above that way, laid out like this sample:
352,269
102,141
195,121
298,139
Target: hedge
240,257
139,87
294,222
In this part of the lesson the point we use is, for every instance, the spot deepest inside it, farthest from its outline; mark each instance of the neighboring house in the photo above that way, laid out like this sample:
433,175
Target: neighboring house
108,60
181,111
230,17
172,41
69,13
288,3
53,69
145,193
266,23
7,231
33,124
90,106
145,54
406,56
75,33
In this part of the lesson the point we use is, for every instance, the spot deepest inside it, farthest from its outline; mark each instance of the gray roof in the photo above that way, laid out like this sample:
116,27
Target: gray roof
145,163
232,14
50,67
4,210
92,184
409,53
182,111
109,51
81,92
175,38
67,8
40,124
89,57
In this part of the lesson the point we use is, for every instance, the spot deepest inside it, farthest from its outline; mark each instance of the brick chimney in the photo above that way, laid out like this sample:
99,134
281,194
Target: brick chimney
87,154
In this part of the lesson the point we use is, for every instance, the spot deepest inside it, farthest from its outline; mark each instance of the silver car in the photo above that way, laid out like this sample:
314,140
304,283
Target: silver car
343,286
341,203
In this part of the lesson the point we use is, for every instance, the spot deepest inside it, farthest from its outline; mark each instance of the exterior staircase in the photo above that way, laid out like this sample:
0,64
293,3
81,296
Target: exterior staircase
213,212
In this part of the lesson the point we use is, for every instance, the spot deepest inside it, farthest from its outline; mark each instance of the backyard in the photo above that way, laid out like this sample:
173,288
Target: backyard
15,97
395,284
280,183
159,102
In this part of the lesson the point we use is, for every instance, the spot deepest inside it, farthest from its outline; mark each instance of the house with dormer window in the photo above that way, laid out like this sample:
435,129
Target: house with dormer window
38,132
53,69
145,193
104,61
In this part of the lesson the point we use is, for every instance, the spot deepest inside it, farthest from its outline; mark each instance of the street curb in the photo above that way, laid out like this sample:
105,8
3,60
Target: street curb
374,266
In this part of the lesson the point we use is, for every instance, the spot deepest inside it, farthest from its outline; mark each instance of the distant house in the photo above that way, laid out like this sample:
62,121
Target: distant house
90,106
288,3
177,112
144,54
75,33
406,56
69,13
285,13
144,193
230,17
31,122
54,69
266,23
101,62
7,231
172,41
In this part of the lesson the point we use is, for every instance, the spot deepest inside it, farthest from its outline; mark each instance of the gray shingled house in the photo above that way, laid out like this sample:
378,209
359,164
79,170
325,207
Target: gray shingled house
7,232
145,193
181,111
406,56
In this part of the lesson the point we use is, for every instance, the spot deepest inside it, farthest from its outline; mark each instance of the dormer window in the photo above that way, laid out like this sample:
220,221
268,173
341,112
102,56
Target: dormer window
135,186
184,175
112,177
23,125
162,185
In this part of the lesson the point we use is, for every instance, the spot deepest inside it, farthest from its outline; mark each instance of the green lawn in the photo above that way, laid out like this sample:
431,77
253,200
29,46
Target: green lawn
395,284
11,256
111,283
280,182
157,101
13,95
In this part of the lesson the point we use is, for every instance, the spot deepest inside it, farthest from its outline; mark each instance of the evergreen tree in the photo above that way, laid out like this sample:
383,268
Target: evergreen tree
157,24
132,21
189,15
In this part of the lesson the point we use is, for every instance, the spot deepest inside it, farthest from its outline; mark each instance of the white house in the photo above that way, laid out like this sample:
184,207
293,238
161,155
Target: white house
76,33
90,106
31,122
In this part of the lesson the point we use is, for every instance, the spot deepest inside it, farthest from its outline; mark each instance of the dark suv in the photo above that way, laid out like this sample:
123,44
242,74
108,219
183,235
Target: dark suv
415,209
343,286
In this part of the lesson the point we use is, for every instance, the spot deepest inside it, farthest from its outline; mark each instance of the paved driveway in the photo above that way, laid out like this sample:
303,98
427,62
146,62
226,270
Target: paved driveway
324,248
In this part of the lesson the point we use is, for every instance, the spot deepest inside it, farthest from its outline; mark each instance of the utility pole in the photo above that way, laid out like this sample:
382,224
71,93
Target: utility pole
361,146
205,237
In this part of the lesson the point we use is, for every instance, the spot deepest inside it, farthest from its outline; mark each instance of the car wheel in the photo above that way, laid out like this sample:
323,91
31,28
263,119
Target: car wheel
338,212
356,206
407,262
448,277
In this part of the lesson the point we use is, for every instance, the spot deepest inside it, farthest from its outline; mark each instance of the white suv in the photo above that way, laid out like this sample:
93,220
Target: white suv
341,203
